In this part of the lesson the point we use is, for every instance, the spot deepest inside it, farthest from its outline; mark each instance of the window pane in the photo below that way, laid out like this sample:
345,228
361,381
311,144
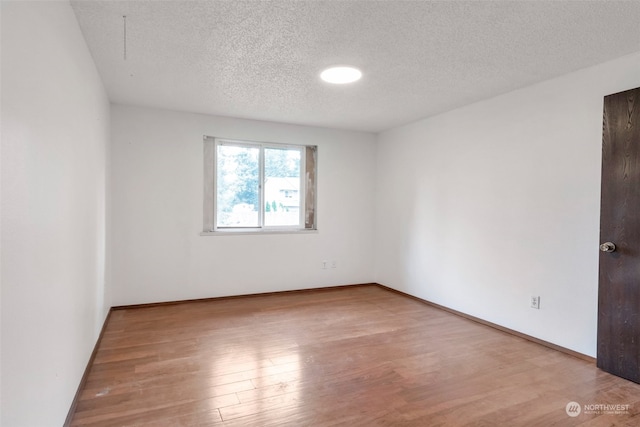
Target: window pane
281,186
237,193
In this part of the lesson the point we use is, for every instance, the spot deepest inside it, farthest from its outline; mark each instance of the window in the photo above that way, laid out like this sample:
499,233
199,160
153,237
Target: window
258,186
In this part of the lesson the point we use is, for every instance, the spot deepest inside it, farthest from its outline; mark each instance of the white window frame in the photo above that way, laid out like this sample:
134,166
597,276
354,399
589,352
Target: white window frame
304,225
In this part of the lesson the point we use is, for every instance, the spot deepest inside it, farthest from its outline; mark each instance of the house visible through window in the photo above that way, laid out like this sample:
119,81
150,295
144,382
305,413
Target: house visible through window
258,186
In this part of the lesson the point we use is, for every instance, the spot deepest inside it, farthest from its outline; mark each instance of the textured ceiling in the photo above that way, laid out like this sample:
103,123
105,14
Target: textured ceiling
261,59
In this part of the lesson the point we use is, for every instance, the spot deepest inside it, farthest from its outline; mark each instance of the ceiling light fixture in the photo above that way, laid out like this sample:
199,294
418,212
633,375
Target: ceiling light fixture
341,75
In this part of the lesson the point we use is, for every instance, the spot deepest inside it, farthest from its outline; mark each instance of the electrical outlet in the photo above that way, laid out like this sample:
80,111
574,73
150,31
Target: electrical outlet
535,302
334,264
324,265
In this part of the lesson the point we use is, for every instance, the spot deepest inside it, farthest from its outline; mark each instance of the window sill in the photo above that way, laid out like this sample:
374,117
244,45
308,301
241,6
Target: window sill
241,232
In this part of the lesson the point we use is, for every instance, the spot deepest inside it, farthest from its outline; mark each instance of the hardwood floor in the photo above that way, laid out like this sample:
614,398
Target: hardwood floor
356,356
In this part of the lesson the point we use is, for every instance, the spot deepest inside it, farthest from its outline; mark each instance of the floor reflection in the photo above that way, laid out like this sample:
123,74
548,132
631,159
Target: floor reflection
263,385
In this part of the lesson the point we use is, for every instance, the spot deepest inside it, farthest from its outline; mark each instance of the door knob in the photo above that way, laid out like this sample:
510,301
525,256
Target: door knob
607,247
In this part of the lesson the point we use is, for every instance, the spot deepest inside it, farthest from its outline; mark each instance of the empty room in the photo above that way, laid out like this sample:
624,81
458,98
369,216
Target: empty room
320,213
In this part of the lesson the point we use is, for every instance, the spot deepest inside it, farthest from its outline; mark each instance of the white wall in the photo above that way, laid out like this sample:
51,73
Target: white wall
482,207
55,132
158,254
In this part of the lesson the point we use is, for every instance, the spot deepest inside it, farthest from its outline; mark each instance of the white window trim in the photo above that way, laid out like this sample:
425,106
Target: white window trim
210,194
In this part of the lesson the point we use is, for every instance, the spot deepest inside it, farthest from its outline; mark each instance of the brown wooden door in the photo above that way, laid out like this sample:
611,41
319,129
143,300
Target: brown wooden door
619,277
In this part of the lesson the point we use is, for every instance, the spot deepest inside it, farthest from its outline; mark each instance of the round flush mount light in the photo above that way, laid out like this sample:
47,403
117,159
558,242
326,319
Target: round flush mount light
341,75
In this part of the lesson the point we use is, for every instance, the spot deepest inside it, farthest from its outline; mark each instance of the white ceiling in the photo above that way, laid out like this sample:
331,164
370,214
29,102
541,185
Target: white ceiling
261,59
